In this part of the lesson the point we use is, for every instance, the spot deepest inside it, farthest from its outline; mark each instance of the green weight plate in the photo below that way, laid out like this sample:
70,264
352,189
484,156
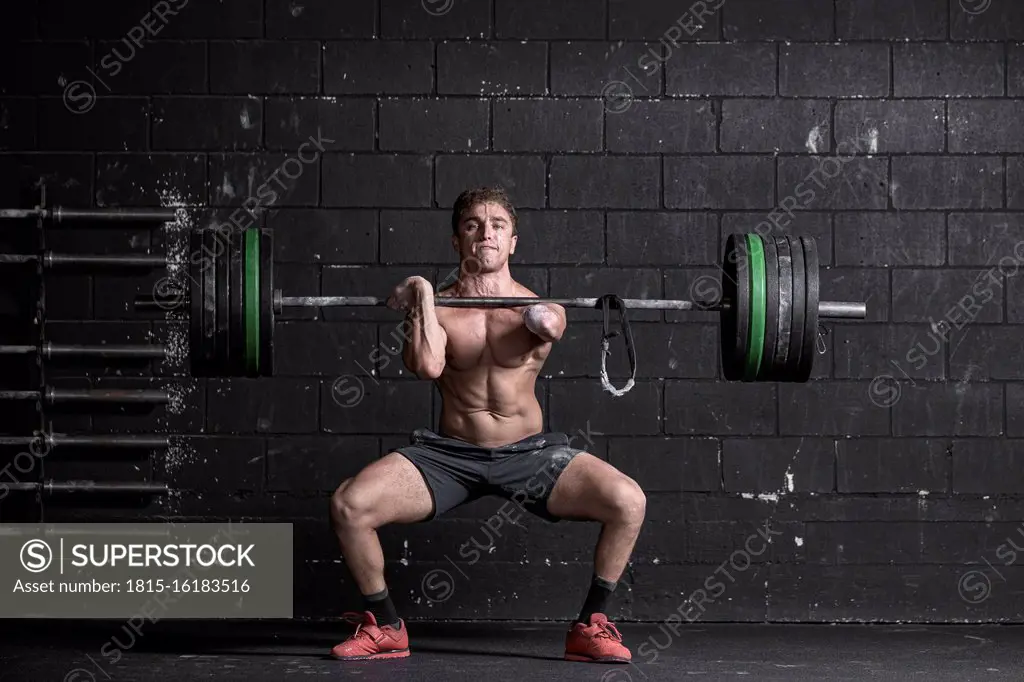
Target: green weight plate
266,363
781,354
796,336
209,304
735,315
771,308
221,237
236,345
757,305
195,302
811,314
252,301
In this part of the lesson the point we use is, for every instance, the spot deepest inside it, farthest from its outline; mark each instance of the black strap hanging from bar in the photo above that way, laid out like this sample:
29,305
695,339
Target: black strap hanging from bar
607,302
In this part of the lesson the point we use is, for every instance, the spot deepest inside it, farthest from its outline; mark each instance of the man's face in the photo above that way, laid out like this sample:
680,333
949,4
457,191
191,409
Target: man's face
485,237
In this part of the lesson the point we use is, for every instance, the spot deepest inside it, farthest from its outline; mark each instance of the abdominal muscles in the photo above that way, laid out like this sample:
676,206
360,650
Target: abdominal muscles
488,386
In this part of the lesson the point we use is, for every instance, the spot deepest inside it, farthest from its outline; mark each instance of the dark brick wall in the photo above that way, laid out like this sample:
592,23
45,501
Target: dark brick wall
634,135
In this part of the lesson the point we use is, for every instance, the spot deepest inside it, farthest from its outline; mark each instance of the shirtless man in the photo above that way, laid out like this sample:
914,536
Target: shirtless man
485,362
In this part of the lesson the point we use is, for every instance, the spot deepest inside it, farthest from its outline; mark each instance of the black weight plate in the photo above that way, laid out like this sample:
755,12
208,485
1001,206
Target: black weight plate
796,336
195,302
209,304
236,340
734,327
266,303
811,316
782,349
771,313
221,238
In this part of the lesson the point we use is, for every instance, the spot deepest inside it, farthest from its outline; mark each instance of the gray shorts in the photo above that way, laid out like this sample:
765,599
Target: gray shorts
457,471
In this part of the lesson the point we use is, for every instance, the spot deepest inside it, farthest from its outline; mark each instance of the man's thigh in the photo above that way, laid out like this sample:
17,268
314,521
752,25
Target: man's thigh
591,489
529,478
389,490
453,476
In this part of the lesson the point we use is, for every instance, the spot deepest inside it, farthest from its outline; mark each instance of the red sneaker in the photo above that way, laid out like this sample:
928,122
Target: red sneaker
599,642
370,642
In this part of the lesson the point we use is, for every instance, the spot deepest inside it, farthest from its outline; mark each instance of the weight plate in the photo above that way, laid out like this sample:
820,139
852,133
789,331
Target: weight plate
195,302
785,308
236,340
771,308
221,238
735,315
757,305
796,335
252,298
209,304
266,363
811,316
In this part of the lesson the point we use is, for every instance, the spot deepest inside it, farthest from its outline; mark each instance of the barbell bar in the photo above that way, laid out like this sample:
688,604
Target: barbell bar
50,259
52,395
826,309
53,440
769,306
52,487
50,350
58,214
119,530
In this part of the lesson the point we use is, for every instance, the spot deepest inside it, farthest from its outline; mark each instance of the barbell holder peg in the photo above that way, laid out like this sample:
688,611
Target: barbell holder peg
54,440
91,395
96,487
119,531
52,260
826,309
160,302
50,351
60,215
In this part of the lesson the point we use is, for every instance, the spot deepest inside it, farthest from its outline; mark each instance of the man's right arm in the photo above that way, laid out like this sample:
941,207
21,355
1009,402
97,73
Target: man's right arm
426,340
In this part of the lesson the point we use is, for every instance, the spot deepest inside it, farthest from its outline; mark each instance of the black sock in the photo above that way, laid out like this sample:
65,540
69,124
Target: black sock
597,598
382,608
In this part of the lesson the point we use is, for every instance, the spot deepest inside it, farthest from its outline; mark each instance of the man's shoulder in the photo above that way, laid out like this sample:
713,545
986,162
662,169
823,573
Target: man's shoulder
524,291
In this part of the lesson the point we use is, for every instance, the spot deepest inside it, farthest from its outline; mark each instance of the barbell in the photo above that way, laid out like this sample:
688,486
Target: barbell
768,305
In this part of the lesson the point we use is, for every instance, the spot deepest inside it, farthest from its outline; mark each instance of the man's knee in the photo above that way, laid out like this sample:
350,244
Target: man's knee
352,507
628,501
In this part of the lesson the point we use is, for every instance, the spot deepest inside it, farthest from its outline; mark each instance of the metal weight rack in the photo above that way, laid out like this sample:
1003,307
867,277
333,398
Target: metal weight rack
44,395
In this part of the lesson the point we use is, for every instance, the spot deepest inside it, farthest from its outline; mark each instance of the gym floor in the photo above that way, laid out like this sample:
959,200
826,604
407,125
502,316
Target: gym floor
222,650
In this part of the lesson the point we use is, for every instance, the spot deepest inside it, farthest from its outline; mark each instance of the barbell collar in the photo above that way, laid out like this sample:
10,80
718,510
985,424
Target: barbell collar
59,214
107,351
97,487
842,310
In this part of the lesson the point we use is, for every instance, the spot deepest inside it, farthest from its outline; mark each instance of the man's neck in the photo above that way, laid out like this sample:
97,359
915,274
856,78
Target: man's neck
491,284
